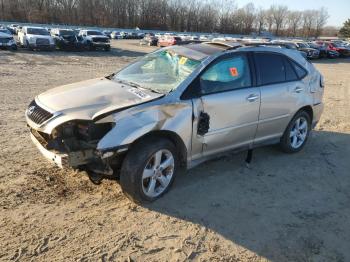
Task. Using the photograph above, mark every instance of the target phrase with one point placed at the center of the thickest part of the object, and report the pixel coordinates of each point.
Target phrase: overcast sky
(339, 10)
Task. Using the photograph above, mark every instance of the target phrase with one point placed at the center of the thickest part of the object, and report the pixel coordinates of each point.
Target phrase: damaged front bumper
(64, 160)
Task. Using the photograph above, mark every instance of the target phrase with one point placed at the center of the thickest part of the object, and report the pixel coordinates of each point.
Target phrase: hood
(92, 98)
(4, 35)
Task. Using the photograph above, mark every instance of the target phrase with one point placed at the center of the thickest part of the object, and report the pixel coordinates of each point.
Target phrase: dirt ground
(284, 208)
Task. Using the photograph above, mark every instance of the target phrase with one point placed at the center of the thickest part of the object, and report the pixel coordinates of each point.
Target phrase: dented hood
(92, 98)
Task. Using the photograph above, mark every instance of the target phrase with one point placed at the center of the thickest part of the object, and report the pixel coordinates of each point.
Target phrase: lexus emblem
(31, 110)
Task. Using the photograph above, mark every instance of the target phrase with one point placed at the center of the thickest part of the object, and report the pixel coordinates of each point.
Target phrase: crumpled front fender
(174, 117)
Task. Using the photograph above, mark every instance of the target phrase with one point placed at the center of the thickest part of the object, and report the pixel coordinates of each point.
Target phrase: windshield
(37, 31)
(67, 32)
(94, 33)
(161, 72)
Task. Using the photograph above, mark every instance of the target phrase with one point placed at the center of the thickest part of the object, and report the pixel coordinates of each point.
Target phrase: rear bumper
(317, 112)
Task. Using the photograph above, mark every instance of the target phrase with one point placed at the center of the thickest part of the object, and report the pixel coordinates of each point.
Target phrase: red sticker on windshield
(233, 71)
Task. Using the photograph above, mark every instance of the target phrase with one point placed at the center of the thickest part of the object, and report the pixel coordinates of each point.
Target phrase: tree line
(222, 16)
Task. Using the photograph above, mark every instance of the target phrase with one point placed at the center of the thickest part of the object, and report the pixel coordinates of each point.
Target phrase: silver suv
(177, 107)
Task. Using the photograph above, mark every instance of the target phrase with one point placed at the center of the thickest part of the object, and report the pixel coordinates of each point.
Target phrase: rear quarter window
(277, 68)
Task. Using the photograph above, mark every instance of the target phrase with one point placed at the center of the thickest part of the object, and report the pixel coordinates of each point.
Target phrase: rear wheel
(297, 133)
(149, 169)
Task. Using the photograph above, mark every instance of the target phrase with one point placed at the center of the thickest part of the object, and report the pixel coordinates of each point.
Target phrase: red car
(168, 40)
(342, 50)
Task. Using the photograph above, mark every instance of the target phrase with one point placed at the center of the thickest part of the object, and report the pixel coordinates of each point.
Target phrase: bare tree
(260, 20)
(279, 14)
(320, 20)
(179, 15)
(294, 22)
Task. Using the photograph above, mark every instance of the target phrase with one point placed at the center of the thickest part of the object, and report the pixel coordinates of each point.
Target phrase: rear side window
(291, 75)
(271, 68)
(275, 68)
(301, 72)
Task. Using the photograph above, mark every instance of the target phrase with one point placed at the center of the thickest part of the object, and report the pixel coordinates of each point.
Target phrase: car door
(228, 107)
(282, 93)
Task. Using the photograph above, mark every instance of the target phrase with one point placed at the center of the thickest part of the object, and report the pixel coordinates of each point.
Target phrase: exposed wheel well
(307, 109)
(173, 137)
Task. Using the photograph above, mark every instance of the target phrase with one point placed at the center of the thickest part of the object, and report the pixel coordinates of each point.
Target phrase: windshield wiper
(132, 84)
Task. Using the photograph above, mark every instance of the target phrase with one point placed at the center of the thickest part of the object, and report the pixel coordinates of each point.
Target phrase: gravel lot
(285, 208)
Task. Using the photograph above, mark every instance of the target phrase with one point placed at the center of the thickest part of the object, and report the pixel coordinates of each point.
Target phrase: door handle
(252, 97)
(298, 89)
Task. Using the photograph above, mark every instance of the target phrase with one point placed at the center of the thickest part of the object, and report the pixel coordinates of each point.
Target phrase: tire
(108, 48)
(138, 169)
(294, 138)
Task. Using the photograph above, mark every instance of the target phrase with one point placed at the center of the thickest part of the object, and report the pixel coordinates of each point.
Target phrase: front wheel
(296, 133)
(149, 169)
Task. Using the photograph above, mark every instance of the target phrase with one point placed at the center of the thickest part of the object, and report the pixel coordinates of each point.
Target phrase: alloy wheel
(298, 132)
(158, 172)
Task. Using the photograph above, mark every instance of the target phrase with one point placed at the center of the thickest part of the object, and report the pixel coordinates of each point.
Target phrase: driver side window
(229, 74)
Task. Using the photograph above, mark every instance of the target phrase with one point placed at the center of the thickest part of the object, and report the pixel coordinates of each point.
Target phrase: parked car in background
(340, 48)
(6, 40)
(168, 40)
(107, 33)
(311, 53)
(95, 39)
(12, 28)
(36, 38)
(178, 107)
(18, 29)
(116, 35)
(67, 39)
(288, 45)
(131, 35)
(5, 30)
(324, 52)
(150, 39)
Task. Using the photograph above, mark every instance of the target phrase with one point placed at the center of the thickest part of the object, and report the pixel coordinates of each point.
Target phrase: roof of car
(203, 50)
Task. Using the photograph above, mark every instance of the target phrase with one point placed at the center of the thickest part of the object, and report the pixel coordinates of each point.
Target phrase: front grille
(100, 39)
(5, 40)
(37, 114)
(42, 41)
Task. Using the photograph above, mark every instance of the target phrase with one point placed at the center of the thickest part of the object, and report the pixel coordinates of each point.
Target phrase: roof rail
(228, 45)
